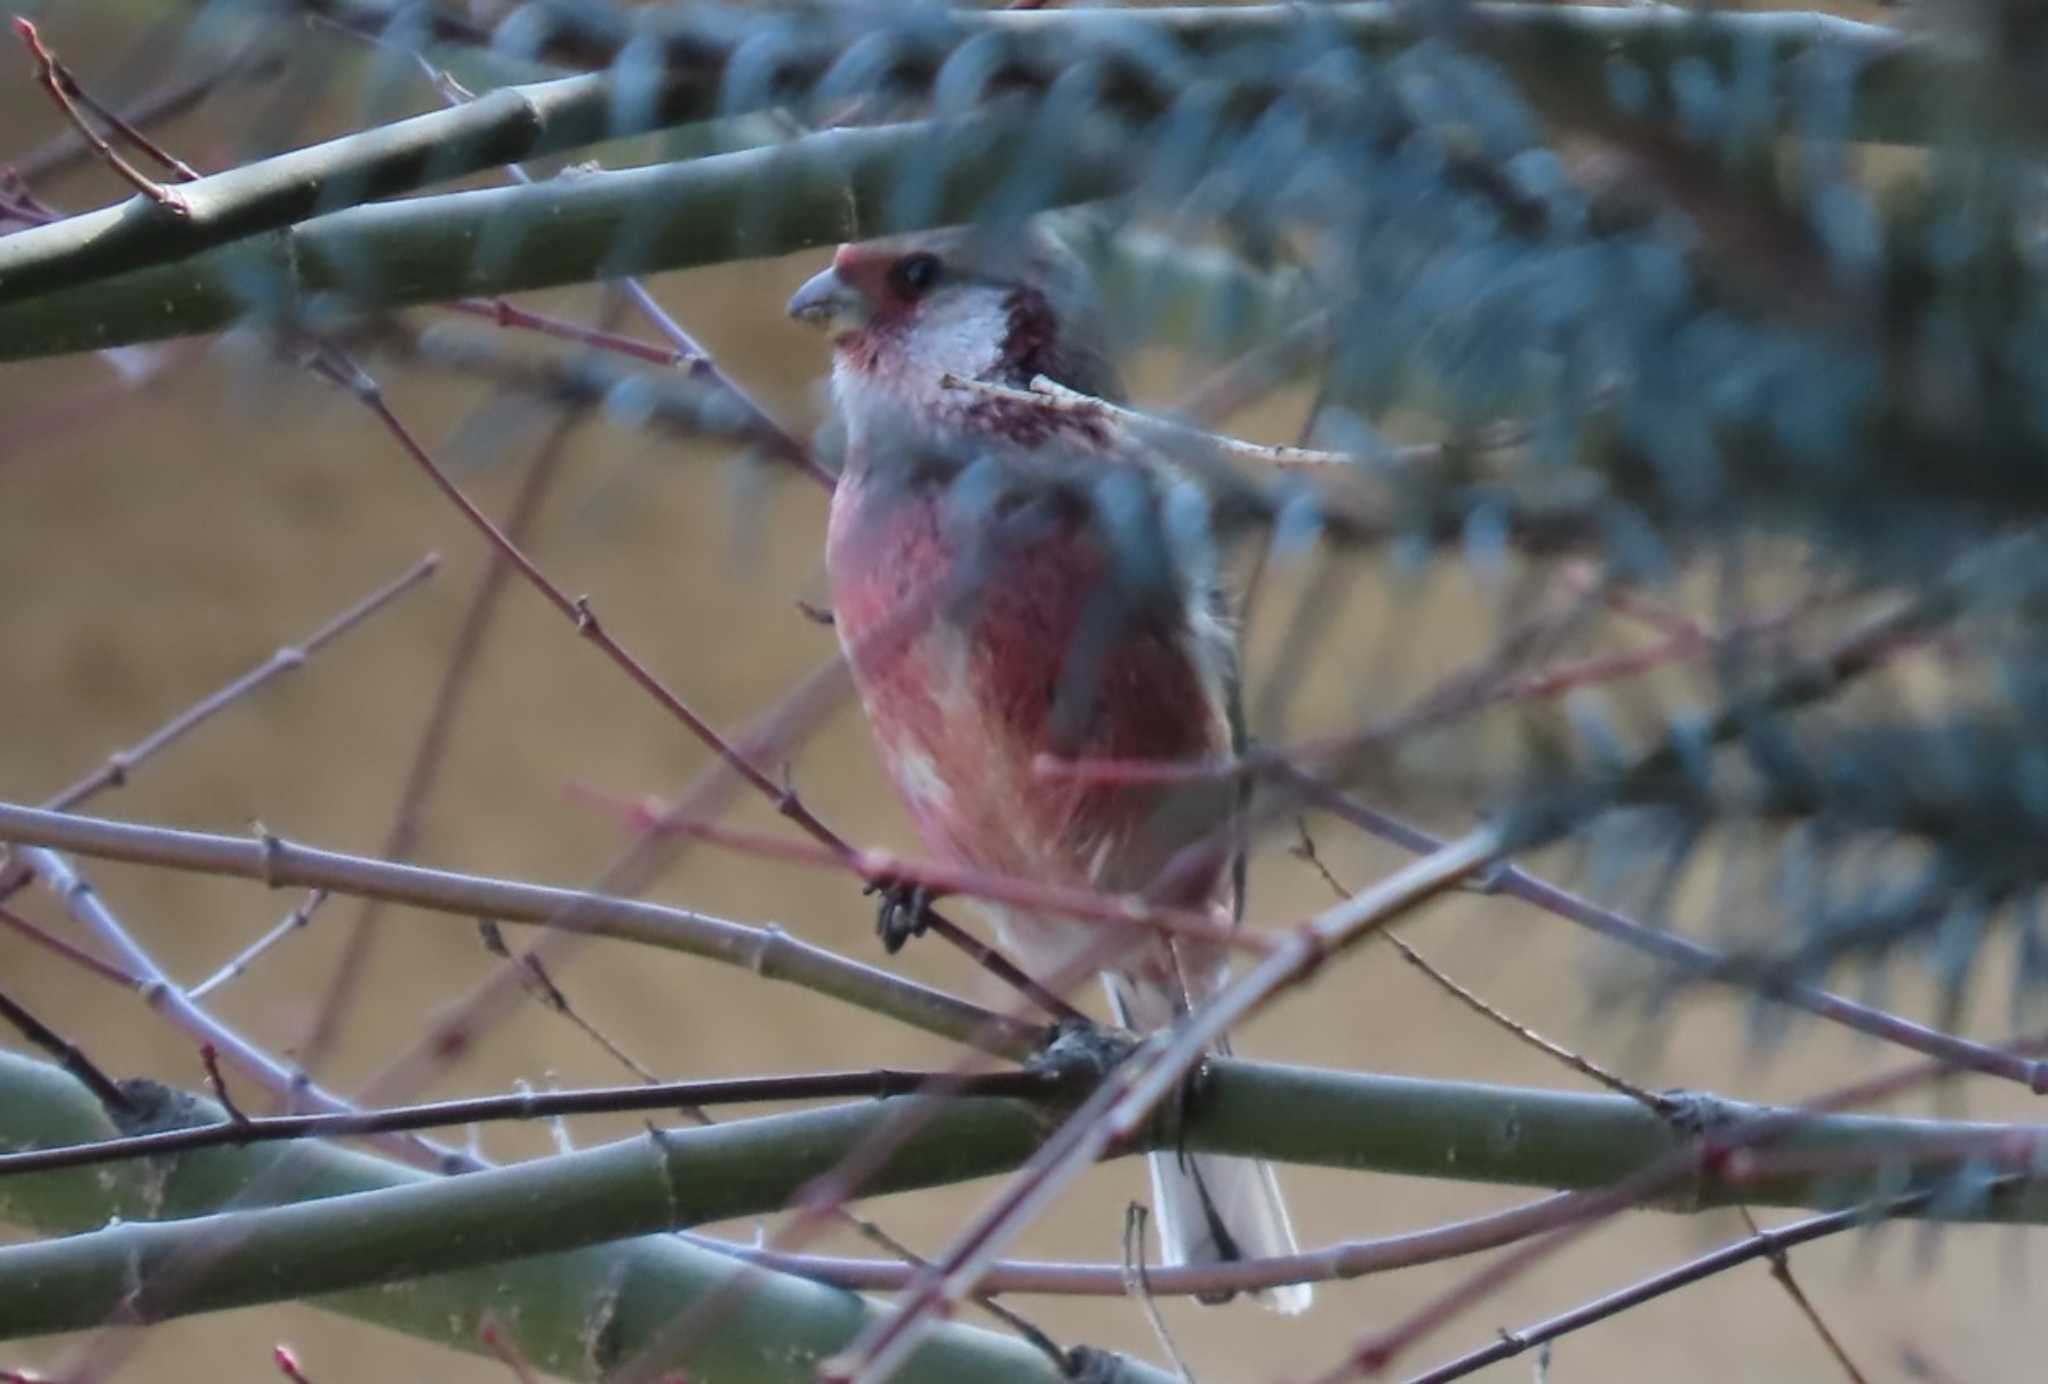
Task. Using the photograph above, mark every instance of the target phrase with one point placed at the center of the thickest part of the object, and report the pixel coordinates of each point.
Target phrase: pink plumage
(1012, 582)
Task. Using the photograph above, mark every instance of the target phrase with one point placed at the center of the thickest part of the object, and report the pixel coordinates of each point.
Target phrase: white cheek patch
(959, 333)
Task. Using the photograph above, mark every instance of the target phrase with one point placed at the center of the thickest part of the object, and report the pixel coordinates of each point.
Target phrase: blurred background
(169, 517)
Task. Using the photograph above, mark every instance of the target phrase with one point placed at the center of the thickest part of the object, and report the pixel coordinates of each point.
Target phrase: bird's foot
(903, 913)
(1083, 1052)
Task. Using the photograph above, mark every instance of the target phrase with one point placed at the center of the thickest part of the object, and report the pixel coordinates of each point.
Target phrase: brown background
(153, 545)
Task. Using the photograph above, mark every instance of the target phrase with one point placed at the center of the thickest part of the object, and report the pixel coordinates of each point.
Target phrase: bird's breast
(980, 645)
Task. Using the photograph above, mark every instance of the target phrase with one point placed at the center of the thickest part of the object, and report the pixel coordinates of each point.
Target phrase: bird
(1010, 582)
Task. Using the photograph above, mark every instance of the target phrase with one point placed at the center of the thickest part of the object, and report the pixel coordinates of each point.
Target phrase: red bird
(1012, 581)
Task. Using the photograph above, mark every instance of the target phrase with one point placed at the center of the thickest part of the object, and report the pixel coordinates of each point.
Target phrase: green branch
(576, 1314)
(840, 184)
(1558, 49)
(416, 1226)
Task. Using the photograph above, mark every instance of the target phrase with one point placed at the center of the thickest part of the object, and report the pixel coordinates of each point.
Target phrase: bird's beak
(828, 301)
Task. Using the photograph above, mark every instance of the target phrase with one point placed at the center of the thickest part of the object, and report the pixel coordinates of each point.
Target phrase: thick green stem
(840, 184)
(681, 78)
(415, 1226)
(574, 1314)
(669, 217)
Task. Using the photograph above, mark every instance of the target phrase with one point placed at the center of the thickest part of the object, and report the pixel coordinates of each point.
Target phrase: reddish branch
(77, 956)
(579, 612)
(64, 89)
(1119, 1107)
(1764, 1244)
(881, 867)
(1690, 958)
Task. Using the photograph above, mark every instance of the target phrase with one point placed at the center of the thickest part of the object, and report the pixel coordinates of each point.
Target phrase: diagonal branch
(1551, 45)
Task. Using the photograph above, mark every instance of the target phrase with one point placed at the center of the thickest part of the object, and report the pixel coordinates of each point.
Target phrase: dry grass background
(162, 543)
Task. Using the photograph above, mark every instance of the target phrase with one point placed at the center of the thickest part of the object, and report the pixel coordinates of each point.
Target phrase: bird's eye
(913, 274)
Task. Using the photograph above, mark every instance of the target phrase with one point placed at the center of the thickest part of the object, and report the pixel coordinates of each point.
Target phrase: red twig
(1763, 1244)
(878, 867)
(1781, 1270)
(579, 612)
(164, 103)
(65, 91)
(1118, 1108)
(430, 752)
(288, 1365)
(1716, 1150)
(762, 426)
(506, 314)
(502, 1346)
(1690, 958)
(77, 956)
(209, 1058)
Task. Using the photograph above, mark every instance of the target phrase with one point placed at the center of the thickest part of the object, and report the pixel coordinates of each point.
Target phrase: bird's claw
(1083, 1052)
(903, 913)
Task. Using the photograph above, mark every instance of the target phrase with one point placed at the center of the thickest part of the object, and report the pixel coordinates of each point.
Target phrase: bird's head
(1000, 305)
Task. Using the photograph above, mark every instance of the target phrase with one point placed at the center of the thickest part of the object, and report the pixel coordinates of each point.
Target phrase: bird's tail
(1211, 1209)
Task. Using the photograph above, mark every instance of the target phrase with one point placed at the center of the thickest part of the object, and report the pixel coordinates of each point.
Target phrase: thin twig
(578, 610)
(767, 952)
(1130, 911)
(65, 1053)
(1120, 1106)
(550, 994)
(163, 995)
(1688, 957)
(430, 751)
(769, 434)
(209, 1058)
(64, 90)
(1305, 851)
(117, 768)
(507, 314)
(1762, 1244)
(238, 965)
(166, 102)
(1718, 1148)
(1138, 1286)
(1781, 1270)
(76, 955)
(1050, 396)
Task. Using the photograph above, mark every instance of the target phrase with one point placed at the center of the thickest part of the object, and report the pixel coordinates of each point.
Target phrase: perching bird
(1012, 582)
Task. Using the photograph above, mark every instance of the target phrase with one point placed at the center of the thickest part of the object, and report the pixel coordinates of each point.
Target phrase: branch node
(272, 851)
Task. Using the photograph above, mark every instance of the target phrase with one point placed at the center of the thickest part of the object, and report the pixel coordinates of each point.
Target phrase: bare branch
(63, 88)
(768, 952)
(288, 658)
